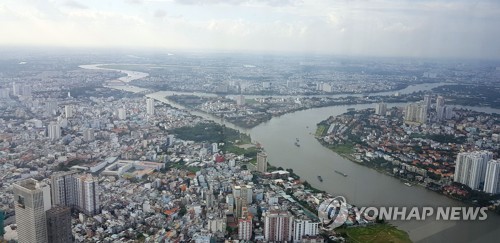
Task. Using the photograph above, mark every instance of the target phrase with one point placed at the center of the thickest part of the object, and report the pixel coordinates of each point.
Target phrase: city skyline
(369, 28)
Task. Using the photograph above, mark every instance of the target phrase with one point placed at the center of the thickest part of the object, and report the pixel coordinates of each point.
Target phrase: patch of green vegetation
(249, 152)
(210, 132)
(343, 148)
(383, 233)
(320, 130)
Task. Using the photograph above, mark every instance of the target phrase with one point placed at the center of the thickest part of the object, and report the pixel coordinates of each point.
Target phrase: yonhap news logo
(334, 212)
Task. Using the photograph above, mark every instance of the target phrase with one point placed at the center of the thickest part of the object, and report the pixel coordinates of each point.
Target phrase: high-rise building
(150, 106)
(88, 194)
(77, 191)
(63, 188)
(245, 228)
(59, 224)
(88, 135)
(26, 90)
(122, 114)
(241, 206)
(303, 228)
(278, 225)
(215, 148)
(427, 101)
(262, 162)
(416, 112)
(240, 100)
(68, 111)
(381, 109)
(439, 102)
(492, 179)
(54, 131)
(470, 168)
(32, 200)
(441, 113)
(16, 89)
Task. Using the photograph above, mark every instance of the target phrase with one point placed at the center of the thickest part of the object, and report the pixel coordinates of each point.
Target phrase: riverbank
(348, 137)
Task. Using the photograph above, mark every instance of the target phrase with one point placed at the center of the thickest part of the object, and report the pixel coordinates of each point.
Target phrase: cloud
(274, 3)
(74, 4)
(160, 13)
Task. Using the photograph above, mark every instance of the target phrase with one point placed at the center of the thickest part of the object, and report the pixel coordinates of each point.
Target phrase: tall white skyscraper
(75, 190)
(470, 168)
(150, 106)
(278, 225)
(245, 228)
(54, 131)
(88, 194)
(88, 135)
(381, 109)
(439, 102)
(68, 111)
(63, 188)
(262, 162)
(416, 112)
(32, 200)
(427, 101)
(15, 89)
(492, 179)
(304, 227)
(122, 114)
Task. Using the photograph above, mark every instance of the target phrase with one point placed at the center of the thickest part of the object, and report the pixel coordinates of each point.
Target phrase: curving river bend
(363, 186)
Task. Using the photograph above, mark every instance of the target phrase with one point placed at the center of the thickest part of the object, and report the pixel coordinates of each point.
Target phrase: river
(363, 186)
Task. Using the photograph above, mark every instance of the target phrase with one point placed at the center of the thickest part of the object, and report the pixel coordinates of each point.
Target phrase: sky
(406, 28)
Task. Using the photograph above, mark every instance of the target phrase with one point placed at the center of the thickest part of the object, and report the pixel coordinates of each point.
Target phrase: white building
(88, 194)
(88, 135)
(245, 228)
(122, 114)
(492, 179)
(439, 102)
(54, 131)
(303, 228)
(381, 109)
(240, 100)
(32, 200)
(150, 106)
(470, 168)
(68, 111)
(262, 162)
(427, 101)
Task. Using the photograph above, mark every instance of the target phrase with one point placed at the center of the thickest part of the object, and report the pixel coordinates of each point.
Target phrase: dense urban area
(91, 154)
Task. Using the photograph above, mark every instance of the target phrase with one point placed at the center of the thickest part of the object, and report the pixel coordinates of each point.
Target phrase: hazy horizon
(373, 28)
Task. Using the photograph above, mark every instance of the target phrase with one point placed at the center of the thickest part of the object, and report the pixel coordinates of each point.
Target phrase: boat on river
(341, 173)
(320, 178)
